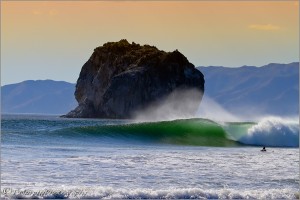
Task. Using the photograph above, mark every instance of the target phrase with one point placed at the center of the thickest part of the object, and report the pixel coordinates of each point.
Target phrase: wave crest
(273, 131)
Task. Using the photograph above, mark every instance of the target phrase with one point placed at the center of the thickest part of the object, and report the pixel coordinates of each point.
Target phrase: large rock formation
(121, 79)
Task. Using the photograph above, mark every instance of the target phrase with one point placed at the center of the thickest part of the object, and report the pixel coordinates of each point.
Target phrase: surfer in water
(263, 149)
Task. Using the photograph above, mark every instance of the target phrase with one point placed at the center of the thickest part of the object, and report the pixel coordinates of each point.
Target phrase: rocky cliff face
(121, 79)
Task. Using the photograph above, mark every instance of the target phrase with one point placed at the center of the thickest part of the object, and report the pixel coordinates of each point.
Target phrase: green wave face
(236, 130)
(198, 132)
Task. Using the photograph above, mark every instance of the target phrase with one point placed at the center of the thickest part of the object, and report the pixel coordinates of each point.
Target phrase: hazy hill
(42, 96)
(270, 89)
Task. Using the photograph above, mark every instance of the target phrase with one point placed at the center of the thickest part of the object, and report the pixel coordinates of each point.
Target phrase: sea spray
(273, 131)
(180, 104)
(210, 109)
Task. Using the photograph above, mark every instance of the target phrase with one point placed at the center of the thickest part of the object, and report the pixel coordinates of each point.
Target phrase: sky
(52, 40)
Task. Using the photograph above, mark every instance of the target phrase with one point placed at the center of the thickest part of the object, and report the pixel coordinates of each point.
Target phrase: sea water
(52, 157)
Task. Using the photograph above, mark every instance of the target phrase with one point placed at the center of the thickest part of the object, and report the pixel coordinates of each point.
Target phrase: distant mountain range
(272, 89)
(40, 97)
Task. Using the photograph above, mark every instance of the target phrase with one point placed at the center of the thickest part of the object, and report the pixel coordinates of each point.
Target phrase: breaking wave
(200, 132)
(272, 131)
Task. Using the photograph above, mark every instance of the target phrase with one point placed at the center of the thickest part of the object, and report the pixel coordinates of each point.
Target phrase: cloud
(264, 27)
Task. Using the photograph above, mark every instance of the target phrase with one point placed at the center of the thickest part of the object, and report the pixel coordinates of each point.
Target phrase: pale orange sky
(54, 39)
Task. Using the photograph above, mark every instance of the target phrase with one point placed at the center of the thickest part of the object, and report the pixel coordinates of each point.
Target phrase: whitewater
(52, 157)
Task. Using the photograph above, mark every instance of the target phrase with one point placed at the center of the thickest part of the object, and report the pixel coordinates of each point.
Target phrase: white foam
(273, 131)
(176, 193)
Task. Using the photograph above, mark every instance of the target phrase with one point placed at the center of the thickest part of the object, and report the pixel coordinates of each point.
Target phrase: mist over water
(210, 109)
(184, 104)
(180, 104)
(191, 103)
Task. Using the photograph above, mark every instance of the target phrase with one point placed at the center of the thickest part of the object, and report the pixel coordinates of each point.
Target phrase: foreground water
(50, 157)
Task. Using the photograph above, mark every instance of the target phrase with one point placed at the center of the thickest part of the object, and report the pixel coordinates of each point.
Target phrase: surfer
(263, 149)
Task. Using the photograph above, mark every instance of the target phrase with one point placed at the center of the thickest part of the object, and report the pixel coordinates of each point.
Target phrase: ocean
(53, 157)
